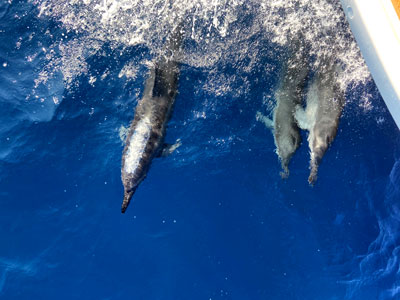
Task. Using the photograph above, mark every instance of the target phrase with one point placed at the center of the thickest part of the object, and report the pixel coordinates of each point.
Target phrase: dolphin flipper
(168, 149)
(301, 117)
(269, 123)
(123, 133)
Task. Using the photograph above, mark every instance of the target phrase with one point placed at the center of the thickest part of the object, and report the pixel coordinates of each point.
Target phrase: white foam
(130, 71)
(137, 144)
(218, 33)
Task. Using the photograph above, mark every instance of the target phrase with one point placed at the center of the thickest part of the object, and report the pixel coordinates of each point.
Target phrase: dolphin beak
(127, 199)
(285, 169)
(316, 157)
(313, 175)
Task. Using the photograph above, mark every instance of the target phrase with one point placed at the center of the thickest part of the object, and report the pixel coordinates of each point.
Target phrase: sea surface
(214, 220)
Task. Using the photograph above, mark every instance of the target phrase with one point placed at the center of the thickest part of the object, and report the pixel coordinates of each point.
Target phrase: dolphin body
(324, 105)
(288, 96)
(145, 137)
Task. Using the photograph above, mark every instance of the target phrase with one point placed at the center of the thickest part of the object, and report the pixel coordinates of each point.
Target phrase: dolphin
(324, 105)
(145, 136)
(288, 96)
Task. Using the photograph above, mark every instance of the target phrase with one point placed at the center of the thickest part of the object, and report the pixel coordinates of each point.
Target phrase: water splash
(231, 32)
(322, 24)
(233, 44)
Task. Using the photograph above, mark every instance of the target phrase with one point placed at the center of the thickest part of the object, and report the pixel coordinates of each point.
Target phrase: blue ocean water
(212, 221)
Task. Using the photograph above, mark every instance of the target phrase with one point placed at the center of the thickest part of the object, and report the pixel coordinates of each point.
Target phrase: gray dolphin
(288, 96)
(145, 137)
(321, 116)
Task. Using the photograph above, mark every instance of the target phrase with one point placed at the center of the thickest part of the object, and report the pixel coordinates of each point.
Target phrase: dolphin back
(329, 103)
(288, 96)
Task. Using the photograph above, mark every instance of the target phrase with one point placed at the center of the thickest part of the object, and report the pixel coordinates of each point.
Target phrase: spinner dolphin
(145, 137)
(288, 96)
(321, 116)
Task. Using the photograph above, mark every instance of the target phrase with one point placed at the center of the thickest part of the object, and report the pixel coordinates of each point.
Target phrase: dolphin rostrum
(324, 105)
(145, 137)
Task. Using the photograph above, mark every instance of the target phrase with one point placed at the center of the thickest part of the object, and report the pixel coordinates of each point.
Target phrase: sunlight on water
(224, 32)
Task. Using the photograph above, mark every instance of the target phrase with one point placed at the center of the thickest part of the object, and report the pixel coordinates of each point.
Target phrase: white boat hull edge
(376, 28)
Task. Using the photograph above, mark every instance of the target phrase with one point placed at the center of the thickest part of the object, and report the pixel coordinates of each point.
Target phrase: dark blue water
(213, 220)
